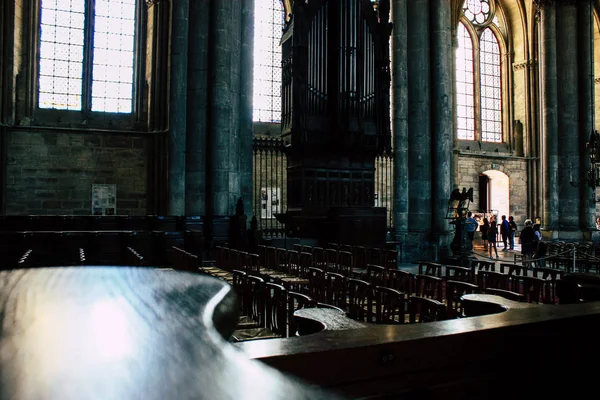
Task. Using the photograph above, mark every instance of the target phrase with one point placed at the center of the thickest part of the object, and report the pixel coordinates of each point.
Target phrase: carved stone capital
(150, 3)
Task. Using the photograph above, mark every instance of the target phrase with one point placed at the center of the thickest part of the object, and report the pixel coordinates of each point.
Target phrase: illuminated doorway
(494, 193)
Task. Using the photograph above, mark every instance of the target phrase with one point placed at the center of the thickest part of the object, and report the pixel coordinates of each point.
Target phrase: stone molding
(524, 64)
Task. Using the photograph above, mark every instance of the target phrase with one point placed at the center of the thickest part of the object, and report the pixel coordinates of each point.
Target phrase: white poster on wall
(104, 199)
(270, 202)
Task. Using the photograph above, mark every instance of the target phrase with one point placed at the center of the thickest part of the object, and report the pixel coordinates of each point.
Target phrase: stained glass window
(478, 74)
(465, 97)
(477, 11)
(491, 90)
(62, 73)
(268, 27)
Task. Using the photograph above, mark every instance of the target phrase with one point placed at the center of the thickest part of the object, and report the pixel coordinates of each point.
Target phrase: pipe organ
(335, 116)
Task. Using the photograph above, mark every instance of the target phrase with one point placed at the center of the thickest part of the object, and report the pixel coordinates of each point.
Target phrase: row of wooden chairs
(267, 308)
(361, 255)
(513, 281)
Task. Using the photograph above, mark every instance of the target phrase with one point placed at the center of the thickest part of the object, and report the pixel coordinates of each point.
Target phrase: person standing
(484, 229)
(504, 229)
(471, 226)
(527, 236)
(491, 235)
(512, 230)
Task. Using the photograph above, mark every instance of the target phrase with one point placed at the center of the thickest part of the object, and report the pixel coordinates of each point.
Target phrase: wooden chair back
(430, 268)
(389, 306)
(429, 286)
(376, 275)
(276, 308)
(454, 292)
(422, 309)
(403, 281)
(316, 283)
(336, 289)
(297, 301)
(491, 279)
(360, 303)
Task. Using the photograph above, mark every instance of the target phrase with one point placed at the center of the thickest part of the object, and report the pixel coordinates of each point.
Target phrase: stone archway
(498, 192)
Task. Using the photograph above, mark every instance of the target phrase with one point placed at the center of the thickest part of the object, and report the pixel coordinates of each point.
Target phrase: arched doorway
(494, 192)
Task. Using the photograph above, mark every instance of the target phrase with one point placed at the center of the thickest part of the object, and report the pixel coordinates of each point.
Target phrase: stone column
(549, 81)
(585, 42)
(178, 107)
(419, 113)
(197, 101)
(441, 113)
(400, 115)
(245, 111)
(568, 115)
(223, 135)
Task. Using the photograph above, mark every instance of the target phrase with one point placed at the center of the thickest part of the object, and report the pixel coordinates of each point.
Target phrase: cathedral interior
(306, 126)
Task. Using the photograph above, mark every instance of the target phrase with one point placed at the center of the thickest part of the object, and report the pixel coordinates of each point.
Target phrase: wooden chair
(373, 256)
(359, 255)
(403, 281)
(422, 309)
(331, 260)
(319, 260)
(275, 300)
(344, 263)
(389, 306)
(528, 286)
(491, 279)
(376, 275)
(297, 301)
(456, 273)
(549, 276)
(360, 304)
(316, 283)
(250, 288)
(336, 290)
(429, 286)
(513, 269)
(454, 292)
(389, 258)
(430, 268)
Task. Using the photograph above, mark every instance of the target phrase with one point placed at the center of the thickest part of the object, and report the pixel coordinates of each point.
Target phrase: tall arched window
(82, 74)
(269, 19)
(465, 107)
(478, 74)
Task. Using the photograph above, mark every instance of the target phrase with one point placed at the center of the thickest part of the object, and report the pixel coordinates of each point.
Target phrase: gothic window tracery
(86, 55)
(269, 19)
(479, 74)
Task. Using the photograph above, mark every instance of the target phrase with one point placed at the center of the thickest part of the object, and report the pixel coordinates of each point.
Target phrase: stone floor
(479, 252)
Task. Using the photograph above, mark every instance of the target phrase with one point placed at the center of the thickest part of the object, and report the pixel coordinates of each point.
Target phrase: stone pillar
(419, 122)
(178, 107)
(223, 134)
(585, 42)
(549, 81)
(568, 115)
(197, 97)
(400, 115)
(441, 113)
(245, 111)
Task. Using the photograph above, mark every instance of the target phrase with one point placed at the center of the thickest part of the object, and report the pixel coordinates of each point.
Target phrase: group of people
(529, 237)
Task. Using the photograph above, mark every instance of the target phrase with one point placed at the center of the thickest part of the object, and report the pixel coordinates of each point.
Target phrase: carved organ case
(335, 109)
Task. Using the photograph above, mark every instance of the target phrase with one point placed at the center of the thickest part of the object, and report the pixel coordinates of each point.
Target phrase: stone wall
(470, 167)
(52, 172)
